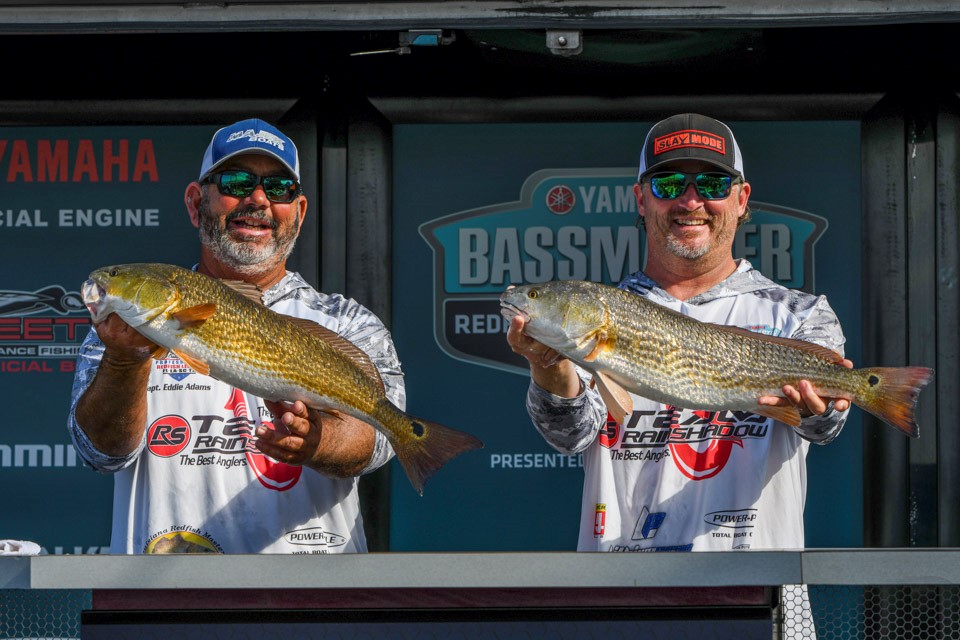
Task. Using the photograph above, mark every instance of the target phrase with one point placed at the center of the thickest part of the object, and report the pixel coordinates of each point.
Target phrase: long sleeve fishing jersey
(197, 483)
(679, 479)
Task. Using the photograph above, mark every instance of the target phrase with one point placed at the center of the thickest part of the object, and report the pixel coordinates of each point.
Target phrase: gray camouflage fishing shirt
(355, 322)
(570, 425)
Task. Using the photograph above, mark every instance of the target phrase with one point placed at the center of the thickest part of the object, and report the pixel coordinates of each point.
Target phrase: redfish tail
(431, 447)
(894, 393)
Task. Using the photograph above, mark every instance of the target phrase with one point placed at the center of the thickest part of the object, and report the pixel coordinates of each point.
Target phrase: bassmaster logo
(572, 224)
(39, 326)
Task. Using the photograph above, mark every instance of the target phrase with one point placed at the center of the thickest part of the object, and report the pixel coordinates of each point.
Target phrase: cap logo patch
(257, 136)
(689, 138)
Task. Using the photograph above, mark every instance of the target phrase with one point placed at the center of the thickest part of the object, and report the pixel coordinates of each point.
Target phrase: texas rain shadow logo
(573, 224)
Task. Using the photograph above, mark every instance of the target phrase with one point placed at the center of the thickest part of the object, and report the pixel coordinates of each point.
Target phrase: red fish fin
(788, 415)
(246, 289)
(893, 396)
(159, 353)
(815, 349)
(193, 316)
(602, 344)
(197, 365)
(428, 448)
(341, 344)
(618, 400)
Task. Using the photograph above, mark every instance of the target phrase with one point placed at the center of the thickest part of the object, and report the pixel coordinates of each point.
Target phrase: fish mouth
(509, 312)
(94, 297)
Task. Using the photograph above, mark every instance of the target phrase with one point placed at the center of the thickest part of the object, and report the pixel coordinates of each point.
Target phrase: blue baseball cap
(250, 136)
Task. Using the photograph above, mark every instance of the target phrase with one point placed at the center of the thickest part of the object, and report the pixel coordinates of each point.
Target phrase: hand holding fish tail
(311, 438)
(805, 398)
(550, 370)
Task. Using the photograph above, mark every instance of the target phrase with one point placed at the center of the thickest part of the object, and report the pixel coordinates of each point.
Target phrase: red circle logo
(561, 199)
(610, 433)
(168, 436)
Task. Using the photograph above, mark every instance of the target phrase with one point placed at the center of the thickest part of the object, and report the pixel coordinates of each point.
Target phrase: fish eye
(533, 293)
(114, 272)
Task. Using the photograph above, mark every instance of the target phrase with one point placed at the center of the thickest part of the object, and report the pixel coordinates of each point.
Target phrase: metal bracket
(564, 43)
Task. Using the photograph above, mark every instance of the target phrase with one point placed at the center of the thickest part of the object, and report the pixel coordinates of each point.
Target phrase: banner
(73, 199)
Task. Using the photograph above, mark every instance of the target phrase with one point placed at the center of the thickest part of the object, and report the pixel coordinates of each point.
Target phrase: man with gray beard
(200, 466)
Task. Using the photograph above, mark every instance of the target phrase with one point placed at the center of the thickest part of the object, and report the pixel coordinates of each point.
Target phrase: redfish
(630, 343)
(223, 330)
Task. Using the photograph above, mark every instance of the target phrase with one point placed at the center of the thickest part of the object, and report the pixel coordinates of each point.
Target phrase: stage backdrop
(476, 207)
(73, 199)
(479, 207)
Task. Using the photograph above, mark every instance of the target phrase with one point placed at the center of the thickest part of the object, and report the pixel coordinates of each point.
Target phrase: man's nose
(258, 195)
(690, 198)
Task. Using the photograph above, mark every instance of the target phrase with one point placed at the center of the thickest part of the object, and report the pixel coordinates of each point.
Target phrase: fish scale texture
(659, 353)
(251, 343)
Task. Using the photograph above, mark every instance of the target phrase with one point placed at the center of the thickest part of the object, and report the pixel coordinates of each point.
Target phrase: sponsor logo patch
(182, 539)
(733, 519)
(168, 436)
(689, 138)
(648, 524)
(600, 520)
(315, 537)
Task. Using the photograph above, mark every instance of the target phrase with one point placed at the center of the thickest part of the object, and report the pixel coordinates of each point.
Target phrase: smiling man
(198, 465)
(678, 478)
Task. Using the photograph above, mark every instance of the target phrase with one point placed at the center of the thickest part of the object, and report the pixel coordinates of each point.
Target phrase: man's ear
(302, 205)
(638, 194)
(744, 197)
(192, 198)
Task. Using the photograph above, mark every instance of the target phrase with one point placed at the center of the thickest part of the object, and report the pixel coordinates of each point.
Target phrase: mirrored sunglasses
(240, 184)
(711, 186)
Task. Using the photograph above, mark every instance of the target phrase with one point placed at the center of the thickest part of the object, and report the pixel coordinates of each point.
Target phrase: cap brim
(719, 165)
(251, 151)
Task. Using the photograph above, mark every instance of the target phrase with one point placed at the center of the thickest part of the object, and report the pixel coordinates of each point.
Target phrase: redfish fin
(193, 316)
(817, 350)
(893, 396)
(788, 415)
(618, 400)
(159, 353)
(357, 355)
(197, 365)
(430, 447)
(248, 290)
(602, 343)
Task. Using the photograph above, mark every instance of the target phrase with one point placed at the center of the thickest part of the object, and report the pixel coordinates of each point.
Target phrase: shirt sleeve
(365, 330)
(88, 362)
(568, 425)
(822, 327)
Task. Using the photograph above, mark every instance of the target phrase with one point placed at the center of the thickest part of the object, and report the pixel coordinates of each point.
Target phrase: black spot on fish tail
(893, 395)
(433, 446)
